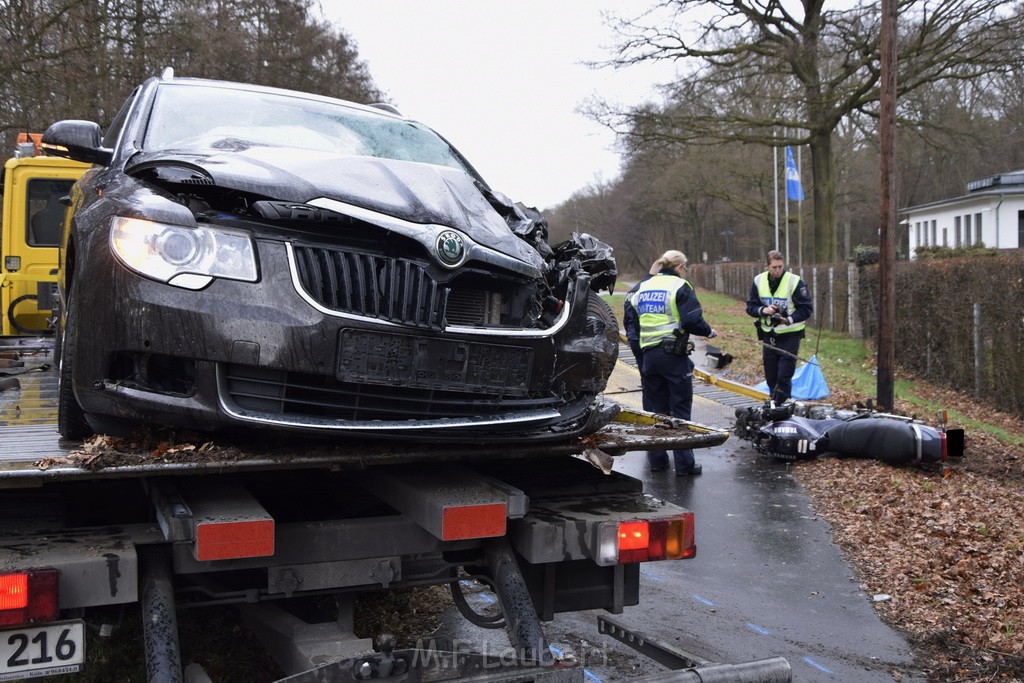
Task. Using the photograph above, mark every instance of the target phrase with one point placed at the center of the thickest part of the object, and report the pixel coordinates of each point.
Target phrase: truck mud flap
(688, 667)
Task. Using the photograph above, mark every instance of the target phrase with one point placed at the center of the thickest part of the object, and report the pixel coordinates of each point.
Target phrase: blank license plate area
(402, 360)
(47, 650)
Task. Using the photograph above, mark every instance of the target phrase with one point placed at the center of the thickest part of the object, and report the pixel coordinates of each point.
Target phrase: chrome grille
(397, 290)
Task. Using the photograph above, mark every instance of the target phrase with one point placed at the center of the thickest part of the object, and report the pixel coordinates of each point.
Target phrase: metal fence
(835, 289)
(959, 321)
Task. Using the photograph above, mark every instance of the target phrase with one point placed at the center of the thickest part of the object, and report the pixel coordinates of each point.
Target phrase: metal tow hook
(383, 665)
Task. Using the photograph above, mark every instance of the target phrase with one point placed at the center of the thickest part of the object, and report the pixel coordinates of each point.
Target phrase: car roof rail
(386, 107)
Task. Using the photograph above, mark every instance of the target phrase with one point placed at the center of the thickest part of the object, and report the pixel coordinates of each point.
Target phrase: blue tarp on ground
(808, 382)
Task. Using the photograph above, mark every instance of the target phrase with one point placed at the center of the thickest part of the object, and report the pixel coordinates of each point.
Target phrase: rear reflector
(473, 521)
(28, 597)
(234, 540)
(953, 443)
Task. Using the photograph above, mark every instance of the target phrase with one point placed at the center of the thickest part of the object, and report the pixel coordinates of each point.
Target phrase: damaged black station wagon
(241, 256)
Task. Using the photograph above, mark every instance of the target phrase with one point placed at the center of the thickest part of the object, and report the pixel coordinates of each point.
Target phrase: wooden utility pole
(887, 210)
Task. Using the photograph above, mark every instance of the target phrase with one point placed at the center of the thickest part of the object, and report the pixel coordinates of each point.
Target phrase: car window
(203, 118)
(46, 211)
(110, 139)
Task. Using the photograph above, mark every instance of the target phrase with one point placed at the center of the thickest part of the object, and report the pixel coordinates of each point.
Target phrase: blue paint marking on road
(585, 671)
(758, 629)
(650, 574)
(703, 600)
(819, 667)
(487, 597)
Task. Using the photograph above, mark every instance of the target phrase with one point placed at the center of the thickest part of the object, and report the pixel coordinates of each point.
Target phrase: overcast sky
(503, 82)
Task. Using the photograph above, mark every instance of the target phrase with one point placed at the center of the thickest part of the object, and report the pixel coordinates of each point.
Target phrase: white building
(991, 213)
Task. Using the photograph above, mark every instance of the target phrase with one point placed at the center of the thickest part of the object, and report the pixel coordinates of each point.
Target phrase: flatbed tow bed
(32, 450)
(166, 519)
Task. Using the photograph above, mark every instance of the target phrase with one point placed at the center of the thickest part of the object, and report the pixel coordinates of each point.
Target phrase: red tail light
(954, 442)
(634, 536)
(28, 597)
(657, 539)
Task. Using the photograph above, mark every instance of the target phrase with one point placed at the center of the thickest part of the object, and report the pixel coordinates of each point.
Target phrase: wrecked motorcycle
(802, 431)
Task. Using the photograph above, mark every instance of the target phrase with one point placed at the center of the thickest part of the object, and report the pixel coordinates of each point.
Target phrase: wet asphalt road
(767, 581)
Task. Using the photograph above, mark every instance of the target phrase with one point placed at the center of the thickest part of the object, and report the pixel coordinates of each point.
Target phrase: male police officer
(667, 312)
(781, 303)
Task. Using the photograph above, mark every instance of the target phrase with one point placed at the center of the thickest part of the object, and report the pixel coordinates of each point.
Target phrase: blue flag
(794, 192)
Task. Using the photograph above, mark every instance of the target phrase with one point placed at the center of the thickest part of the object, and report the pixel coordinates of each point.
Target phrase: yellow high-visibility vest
(783, 298)
(655, 304)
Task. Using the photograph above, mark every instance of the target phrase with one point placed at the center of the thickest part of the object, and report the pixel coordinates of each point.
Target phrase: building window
(945, 236)
(977, 229)
(935, 239)
(1020, 229)
(967, 230)
(956, 231)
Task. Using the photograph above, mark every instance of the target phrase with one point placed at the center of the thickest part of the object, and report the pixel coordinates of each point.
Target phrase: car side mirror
(78, 140)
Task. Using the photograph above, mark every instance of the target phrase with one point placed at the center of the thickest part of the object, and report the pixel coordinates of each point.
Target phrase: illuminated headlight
(181, 256)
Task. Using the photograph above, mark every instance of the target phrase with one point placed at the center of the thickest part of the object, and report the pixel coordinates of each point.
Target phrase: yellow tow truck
(33, 187)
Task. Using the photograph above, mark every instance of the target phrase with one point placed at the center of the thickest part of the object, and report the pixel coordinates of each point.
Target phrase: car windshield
(197, 117)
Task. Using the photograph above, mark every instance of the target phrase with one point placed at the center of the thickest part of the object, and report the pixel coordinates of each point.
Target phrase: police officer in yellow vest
(666, 310)
(781, 303)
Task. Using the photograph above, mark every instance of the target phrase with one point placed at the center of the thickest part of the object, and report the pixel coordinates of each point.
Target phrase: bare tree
(755, 68)
(80, 58)
(269, 42)
(37, 37)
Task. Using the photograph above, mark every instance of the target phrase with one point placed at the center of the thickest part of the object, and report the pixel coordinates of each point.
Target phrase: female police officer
(781, 303)
(666, 309)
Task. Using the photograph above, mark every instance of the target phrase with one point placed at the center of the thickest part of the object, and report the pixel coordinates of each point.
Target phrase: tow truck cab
(33, 187)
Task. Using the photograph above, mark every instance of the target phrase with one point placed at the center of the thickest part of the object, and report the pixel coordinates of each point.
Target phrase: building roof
(999, 180)
(1010, 182)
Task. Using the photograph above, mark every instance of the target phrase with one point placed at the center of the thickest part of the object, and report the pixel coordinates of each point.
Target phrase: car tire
(71, 421)
(598, 308)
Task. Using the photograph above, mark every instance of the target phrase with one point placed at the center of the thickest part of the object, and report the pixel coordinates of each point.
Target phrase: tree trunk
(824, 193)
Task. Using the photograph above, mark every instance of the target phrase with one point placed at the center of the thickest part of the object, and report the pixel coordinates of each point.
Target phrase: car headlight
(183, 256)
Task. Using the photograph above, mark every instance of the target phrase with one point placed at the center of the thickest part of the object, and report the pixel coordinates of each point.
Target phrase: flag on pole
(794, 192)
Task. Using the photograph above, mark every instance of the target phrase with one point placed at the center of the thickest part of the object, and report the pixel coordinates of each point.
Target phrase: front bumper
(262, 354)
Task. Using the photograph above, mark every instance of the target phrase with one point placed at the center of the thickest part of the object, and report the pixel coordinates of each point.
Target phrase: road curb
(711, 386)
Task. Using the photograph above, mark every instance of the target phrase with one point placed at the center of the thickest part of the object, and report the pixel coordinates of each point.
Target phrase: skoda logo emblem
(451, 248)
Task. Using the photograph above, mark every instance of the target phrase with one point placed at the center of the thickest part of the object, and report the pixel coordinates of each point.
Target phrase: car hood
(411, 191)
